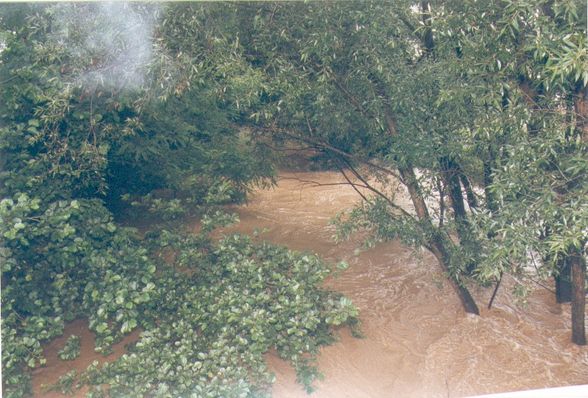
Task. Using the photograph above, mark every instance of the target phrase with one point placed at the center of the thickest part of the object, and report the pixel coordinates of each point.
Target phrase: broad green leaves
(71, 349)
(65, 260)
(213, 325)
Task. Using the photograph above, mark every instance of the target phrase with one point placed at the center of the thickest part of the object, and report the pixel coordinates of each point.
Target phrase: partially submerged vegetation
(72, 154)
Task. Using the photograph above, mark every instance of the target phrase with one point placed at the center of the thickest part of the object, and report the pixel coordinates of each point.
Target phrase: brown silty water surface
(418, 341)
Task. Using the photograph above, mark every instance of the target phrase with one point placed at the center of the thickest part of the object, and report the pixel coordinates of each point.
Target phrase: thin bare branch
(352, 184)
(319, 184)
(376, 191)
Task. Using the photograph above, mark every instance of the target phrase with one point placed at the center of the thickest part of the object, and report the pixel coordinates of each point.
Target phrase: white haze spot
(109, 44)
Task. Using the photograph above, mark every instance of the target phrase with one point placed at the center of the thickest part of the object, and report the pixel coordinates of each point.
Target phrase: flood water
(418, 341)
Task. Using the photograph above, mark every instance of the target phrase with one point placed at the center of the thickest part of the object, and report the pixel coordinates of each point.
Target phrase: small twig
(92, 126)
(308, 125)
(534, 261)
(537, 270)
(273, 13)
(543, 286)
(351, 98)
(534, 281)
(8, 80)
(495, 290)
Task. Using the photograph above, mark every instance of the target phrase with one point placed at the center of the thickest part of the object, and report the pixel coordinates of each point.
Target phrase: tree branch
(376, 191)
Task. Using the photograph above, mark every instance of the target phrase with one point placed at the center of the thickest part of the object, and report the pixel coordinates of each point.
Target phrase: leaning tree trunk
(436, 243)
(439, 250)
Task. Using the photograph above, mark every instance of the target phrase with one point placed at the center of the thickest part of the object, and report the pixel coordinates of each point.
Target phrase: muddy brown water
(418, 341)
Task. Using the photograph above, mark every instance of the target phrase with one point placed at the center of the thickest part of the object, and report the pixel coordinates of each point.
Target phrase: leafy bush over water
(59, 262)
(207, 332)
(68, 152)
(206, 322)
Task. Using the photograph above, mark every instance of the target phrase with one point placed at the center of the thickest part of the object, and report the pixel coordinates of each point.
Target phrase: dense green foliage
(520, 71)
(531, 68)
(77, 138)
(63, 261)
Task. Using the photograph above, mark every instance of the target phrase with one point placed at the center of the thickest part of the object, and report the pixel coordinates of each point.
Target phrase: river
(417, 341)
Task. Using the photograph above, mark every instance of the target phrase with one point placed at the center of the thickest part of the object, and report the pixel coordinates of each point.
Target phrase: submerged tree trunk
(439, 250)
(563, 281)
(577, 259)
(436, 243)
(578, 268)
